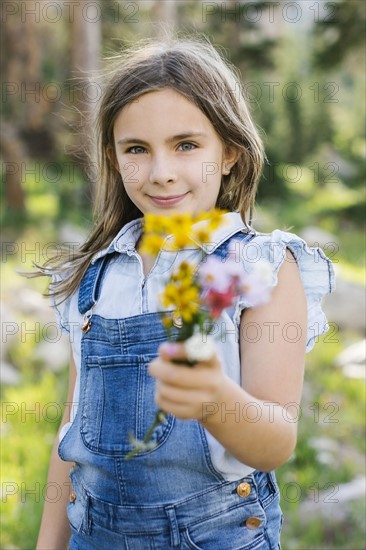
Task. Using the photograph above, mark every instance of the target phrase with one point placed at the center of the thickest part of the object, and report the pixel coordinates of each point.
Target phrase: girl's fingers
(175, 375)
(203, 380)
(172, 396)
(172, 350)
(176, 350)
(181, 403)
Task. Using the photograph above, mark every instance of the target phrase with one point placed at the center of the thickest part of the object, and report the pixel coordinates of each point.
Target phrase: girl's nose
(162, 172)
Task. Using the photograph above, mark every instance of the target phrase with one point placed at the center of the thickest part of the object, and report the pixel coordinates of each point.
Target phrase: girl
(175, 135)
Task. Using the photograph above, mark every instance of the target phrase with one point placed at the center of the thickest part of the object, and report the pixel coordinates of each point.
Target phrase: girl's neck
(147, 260)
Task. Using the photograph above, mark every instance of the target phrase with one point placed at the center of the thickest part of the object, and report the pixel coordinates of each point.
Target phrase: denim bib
(168, 497)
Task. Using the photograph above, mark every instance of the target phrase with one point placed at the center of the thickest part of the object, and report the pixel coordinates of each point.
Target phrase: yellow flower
(181, 227)
(181, 221)
(151, 244)
(185, 270)
(189, 296)
(180, 240)
(182, 293)
(216, 219)
(156, 223)
(167, 322)
(170, 295)
(202, 235)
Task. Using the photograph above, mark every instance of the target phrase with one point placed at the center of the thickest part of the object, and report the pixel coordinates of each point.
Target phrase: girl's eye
(136, 150)
(187, 146)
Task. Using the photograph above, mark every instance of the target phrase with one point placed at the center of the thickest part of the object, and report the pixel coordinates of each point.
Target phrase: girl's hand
(183, 390)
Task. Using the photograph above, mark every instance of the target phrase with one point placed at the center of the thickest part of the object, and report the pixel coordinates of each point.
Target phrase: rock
(314, 236)
(353, 360)
(332, 452)
(354, 371)
(8, 374)
(31, 302)
(324, 444)
(346, 306)
(332, 502)
(54, 352)
(72, 235)
(355, 353)
(10, 329)
(345, 169)
(327, 450)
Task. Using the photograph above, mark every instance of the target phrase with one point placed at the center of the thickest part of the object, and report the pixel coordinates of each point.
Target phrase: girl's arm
(272, 365)
(54, 533)
(257, 422)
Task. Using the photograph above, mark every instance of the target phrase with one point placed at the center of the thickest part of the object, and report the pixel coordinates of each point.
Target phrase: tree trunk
(14, 158)
(165, 13)
(86, 47)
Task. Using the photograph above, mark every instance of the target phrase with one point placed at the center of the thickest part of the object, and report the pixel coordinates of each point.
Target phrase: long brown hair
(195, 69)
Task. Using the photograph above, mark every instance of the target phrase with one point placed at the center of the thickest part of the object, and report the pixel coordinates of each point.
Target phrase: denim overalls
(167, 498)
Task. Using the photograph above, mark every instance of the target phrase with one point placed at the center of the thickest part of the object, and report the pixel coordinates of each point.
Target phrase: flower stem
(145, 444)
(159, 418)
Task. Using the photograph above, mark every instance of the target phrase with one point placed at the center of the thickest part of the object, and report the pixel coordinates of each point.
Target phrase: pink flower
(217, 301)
(213, 274)
(258, 283)
(223, 281)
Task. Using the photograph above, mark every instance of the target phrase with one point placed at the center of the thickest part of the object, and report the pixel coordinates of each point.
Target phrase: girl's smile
(168, 201)
(169, 155)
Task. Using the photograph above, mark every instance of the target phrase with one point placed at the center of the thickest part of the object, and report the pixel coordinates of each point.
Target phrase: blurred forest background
(302, 66)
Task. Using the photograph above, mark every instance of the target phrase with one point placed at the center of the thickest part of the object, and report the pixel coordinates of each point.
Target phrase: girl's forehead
(162, 97)
(163, 107)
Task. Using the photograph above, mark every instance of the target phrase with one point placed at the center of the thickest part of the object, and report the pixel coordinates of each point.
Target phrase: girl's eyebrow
(178, 137)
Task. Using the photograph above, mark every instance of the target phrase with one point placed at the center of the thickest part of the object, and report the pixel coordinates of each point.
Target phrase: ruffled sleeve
(316, 272)
(61, 310)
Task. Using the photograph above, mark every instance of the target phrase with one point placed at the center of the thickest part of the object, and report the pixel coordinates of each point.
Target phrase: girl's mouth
(171, 200)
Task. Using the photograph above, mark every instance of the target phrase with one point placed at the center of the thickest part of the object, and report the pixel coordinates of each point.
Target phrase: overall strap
(90, 285)
(242, 235)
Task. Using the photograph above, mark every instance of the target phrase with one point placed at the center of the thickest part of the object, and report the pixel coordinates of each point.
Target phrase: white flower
(258, 284)
(263, 270)
(198, 349)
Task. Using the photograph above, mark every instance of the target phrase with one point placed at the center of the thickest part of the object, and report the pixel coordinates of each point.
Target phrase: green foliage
(332, 410)
(30, 418)
(326, 534)
(340, 33)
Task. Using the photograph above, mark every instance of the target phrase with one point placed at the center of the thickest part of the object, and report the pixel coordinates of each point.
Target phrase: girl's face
(169, 155)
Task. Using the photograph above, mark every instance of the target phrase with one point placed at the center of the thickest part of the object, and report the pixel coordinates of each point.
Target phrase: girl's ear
(112, 157)
(230, 157)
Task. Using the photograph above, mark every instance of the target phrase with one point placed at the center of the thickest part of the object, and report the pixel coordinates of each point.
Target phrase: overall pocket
(238, 528)
(118, 401)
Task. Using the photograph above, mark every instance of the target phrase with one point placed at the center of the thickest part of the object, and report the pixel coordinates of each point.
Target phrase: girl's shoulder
(315, 268)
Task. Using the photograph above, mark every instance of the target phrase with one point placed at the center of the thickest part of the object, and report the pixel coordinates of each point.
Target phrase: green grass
(333, 407)
(30, 418)
(320, 534)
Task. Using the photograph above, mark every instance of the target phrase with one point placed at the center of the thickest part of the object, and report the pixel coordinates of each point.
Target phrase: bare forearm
(258, 433)
(55, 532)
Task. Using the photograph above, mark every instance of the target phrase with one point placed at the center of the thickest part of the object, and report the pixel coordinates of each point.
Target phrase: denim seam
(219, 513)
(208, 458)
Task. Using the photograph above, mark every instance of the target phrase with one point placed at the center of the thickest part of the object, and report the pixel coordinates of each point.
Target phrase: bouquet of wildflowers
(197, 294)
